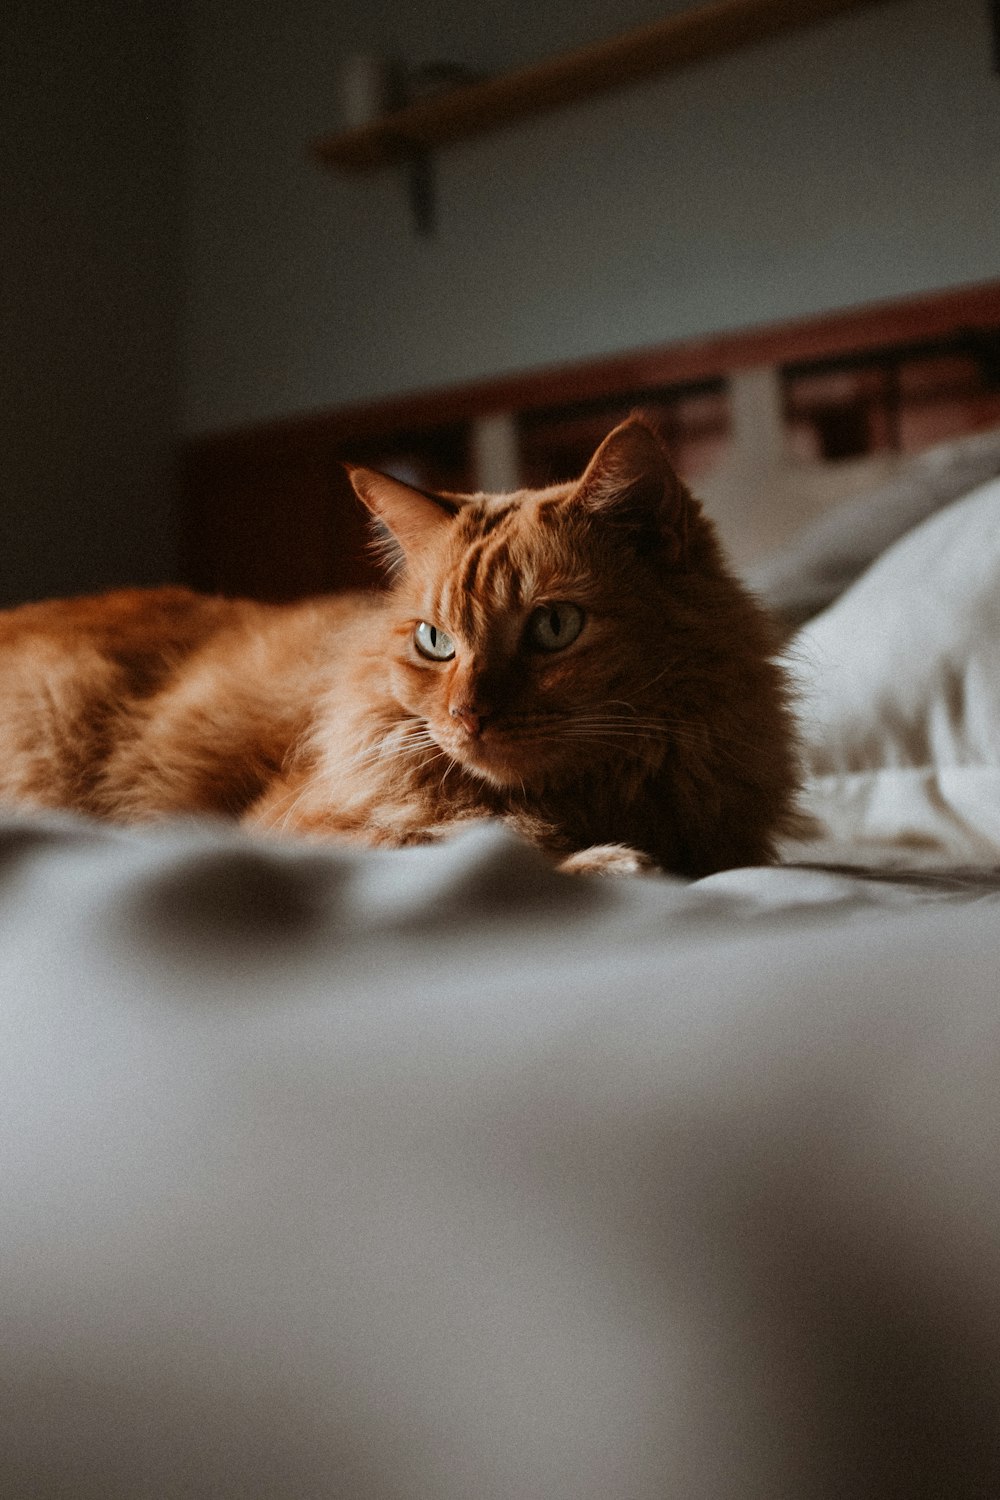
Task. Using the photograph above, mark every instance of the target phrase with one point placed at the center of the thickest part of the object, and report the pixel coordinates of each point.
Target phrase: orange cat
(576, 660)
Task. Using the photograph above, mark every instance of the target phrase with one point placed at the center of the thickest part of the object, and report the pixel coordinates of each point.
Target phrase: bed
(436, 1173)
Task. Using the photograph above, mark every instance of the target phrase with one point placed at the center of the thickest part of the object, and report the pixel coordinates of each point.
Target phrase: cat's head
(529, 630)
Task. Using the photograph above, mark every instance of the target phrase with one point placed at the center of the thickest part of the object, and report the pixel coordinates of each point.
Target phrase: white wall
(91, 138)
(854, 161)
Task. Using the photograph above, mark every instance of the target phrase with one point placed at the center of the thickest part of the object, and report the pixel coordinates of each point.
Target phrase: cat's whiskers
(683, 730)
(327, 778)
(667, 723)
(448, 768)
(677, 730)
(613, 731)
(422, 740)
(292, 801)
(659, 676)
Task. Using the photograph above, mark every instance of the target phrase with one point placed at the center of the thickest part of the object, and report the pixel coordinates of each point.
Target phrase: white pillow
(904, 669)
(825, 558)
(899, 685)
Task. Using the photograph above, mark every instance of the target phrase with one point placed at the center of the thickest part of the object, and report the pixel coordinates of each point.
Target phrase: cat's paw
(608, 859)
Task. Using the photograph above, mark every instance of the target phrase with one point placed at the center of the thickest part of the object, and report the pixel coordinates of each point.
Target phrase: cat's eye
(554, 626)
(432, 642)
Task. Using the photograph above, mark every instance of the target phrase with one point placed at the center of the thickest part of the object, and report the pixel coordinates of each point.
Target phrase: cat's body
(577, 661)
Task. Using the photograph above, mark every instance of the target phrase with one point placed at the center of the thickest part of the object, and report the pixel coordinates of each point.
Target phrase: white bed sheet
(435, 1175)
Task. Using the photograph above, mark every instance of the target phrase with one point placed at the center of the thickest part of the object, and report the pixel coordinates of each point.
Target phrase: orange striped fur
(658, 734)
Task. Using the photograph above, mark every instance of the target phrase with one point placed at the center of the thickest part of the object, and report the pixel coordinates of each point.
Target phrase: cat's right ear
(413, 518)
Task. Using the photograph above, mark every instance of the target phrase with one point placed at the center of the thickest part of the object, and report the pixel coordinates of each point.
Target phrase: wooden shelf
(675, 42)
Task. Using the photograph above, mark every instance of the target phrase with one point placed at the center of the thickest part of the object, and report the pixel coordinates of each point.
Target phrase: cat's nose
(472, 718)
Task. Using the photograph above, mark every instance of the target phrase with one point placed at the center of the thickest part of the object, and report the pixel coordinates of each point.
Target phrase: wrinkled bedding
(898, 692)
(434, 1174)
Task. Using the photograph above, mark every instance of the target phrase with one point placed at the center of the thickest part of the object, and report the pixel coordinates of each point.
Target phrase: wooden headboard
(267, 511)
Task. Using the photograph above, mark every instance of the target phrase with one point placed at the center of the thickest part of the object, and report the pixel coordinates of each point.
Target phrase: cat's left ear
(631, 482)
(414, 518)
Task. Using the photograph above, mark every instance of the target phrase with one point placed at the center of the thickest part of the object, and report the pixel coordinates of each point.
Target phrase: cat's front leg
(594, 859)
(608, 859)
